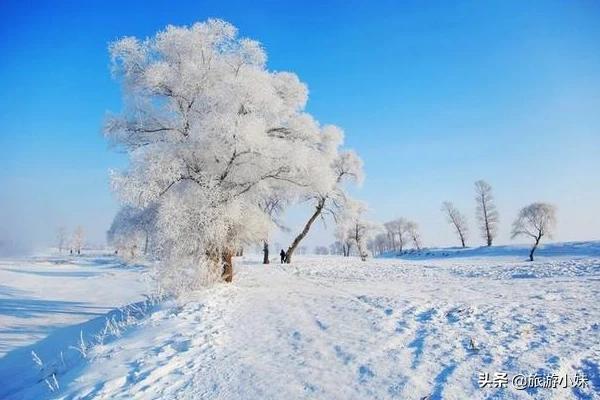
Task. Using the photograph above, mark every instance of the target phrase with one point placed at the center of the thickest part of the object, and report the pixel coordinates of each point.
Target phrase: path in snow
(342, 329)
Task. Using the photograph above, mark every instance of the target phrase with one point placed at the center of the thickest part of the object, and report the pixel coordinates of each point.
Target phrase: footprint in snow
(321, 325)
(364, 374)
(342, 355)
(426, 316)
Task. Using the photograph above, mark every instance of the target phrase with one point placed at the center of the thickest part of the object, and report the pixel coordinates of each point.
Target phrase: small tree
(321, 250)
(397, 231)
(345, 241)
(132, 229)
(457, 220)
(61, 238)
(326, 189)
(272, 205)
(412, 229)
(379, 244)
(536, 221)
(78, 239)
(487, 215)
(358, 230)
(335, 248)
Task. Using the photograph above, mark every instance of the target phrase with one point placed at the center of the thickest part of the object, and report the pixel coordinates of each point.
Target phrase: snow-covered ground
(334, 328)
(47, 301)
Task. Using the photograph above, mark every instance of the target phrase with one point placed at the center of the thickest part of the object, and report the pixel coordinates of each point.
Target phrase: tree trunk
(265, 253)
(146, 244)
(296, 242)
(462, 240)
(227, 266)
(537, 241)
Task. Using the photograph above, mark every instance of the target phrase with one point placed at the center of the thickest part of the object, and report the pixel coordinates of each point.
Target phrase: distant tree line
(536, 221)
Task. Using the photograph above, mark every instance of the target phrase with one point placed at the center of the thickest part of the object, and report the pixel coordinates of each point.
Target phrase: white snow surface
(41, 294)
(339, 328)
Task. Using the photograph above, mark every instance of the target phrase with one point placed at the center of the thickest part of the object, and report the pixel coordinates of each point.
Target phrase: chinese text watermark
(531, 381)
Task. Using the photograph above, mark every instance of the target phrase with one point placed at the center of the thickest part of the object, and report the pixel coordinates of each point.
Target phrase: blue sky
(433, 95)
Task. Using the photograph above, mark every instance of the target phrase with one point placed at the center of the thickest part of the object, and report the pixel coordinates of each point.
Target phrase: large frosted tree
(209, 130)
(486, 212)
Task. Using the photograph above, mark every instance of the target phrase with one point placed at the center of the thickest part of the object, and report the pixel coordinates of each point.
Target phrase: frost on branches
(328, 195)
(354, 229)
(211, 134)
(535, 221)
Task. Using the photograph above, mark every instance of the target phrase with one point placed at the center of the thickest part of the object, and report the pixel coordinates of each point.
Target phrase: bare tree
(345, 240)
(362, 232)
(272, 206)
(61, 238)
(457, 220)
(390, 230)
(380, 244)
(536, 221)
(399, 229)
(336, 248)
(412, 229)
(487, 215)
(78, 239)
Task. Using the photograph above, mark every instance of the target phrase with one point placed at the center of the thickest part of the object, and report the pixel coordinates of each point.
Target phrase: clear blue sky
(433, 95)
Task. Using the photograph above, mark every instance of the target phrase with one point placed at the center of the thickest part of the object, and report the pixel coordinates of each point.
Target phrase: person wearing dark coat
(282, 255)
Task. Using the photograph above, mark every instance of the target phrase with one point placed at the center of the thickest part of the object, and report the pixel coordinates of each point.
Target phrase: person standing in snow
(282, 255)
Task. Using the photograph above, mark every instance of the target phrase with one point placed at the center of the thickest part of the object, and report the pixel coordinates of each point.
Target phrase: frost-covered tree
(343, 238)
(536, 221)
(457, 220)
(326, 191)
(412, 230)
(379, 244)
(397, 230)
(132, 230)
(272, 206)
(61, 238)
(209, 131)
(301, 250)
(486, 211)
(321, 250)
(358, 229)
(390, 229)
(78, 239)
(336, 248)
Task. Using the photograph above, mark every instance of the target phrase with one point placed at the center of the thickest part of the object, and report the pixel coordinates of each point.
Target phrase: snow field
(335, 328)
